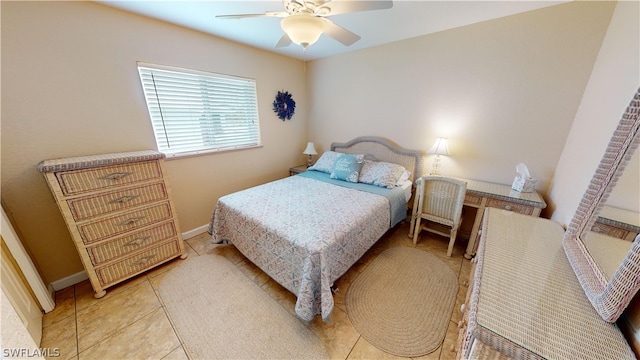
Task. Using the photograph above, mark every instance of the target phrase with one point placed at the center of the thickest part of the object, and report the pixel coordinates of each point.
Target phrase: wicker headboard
(381, 149)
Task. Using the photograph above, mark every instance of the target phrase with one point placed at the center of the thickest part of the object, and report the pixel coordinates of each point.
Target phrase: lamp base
(436, 167)
(309, 162)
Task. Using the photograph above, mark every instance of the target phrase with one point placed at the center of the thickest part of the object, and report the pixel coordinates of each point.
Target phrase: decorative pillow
(403, 178)
(347, 167)
(381, 173)
(325, 162)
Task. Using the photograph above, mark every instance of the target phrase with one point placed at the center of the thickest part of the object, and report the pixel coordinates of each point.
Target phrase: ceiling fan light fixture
(303, 29)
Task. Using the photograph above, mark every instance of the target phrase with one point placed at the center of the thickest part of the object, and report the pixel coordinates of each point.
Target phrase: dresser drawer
(114, 273)
(506, 205)
(79, 181)
(131, 243)
(90, 206)
(120, 224)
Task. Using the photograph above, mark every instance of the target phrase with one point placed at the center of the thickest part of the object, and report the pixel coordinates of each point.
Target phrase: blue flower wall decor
(284, 105)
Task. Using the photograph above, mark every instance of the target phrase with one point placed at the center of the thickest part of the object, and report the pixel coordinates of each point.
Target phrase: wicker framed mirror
(609, 295)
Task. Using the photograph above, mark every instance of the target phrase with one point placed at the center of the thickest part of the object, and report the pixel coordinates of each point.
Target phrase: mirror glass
(605, 260)
(618, 222)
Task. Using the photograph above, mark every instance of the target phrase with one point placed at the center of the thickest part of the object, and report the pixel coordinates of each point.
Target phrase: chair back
(443, 197)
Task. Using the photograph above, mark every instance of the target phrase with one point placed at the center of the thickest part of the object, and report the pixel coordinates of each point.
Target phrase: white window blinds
(193, 111)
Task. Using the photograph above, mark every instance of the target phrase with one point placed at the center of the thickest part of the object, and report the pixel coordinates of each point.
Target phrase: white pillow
(381, 173)
(325, 162)
(403, 178)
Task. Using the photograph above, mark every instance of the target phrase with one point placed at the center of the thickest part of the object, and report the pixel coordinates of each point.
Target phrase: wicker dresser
(119, 211)
(526, 302)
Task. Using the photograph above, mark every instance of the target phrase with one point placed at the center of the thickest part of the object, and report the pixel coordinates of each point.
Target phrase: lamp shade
(303, 29)
(440, 147)
(310, 150)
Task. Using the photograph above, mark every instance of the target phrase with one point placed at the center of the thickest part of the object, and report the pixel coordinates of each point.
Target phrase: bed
(307, 230)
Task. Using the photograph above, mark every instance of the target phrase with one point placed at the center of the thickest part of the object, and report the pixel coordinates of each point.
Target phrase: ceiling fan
(303, 21)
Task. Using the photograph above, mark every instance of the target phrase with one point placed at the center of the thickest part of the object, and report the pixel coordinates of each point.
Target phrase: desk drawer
(115, 225)
(79, 181)
(472, 200)
(87, 207)
(131, 243)
(507, 205)
(140, 262)
(610, 230)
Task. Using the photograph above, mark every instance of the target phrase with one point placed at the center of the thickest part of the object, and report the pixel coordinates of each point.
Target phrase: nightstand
(297, 169)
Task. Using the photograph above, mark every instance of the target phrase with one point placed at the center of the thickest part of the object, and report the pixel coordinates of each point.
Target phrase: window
(194, 112)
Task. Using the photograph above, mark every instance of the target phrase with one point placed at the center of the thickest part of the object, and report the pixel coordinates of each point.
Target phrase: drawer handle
(136, 242)
(116, 176)
(462, 307)
(123, 199)
(143, 260)
(508, 207)
(131, 221)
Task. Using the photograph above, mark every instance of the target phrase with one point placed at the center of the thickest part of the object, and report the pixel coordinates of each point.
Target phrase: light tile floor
(130, 322)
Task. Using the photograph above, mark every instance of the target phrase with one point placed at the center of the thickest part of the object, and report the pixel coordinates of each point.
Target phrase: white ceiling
(406, 19)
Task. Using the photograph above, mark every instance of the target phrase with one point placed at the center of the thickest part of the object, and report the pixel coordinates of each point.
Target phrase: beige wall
(503, 91)
(70, 87)
(613, 82)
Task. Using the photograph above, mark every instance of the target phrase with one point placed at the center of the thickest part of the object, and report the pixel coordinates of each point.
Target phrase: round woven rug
(403, 301)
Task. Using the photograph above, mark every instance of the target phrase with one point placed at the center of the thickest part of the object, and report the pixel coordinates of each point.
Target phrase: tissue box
(524, 184)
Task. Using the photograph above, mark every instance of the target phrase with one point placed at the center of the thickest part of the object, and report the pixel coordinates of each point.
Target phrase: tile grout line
(119, 330)
(166, 313)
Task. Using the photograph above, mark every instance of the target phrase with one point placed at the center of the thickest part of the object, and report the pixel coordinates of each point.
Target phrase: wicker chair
(438, 200)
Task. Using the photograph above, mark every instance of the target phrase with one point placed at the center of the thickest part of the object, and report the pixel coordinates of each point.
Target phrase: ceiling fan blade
(339, 33)
(284, 41)
(337, 7)
(266, 14)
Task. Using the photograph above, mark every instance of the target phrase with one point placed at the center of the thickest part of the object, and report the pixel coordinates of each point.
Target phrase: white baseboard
(82, 275)
(69, 280)
(195, 232)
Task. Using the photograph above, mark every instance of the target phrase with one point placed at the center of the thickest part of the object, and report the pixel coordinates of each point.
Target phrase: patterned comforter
(305, 231)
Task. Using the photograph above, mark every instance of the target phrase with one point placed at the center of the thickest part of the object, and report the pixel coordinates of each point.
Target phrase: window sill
(185, 154)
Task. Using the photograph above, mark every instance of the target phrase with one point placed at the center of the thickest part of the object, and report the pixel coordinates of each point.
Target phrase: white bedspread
(302, 232)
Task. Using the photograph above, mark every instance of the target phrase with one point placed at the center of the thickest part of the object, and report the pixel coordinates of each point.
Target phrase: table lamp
(439, 148)
(310, 150)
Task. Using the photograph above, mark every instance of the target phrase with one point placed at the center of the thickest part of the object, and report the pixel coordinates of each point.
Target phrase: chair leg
(412, 226)
(452, 241)
(416, 231)
(417, 204)
(414, 215)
